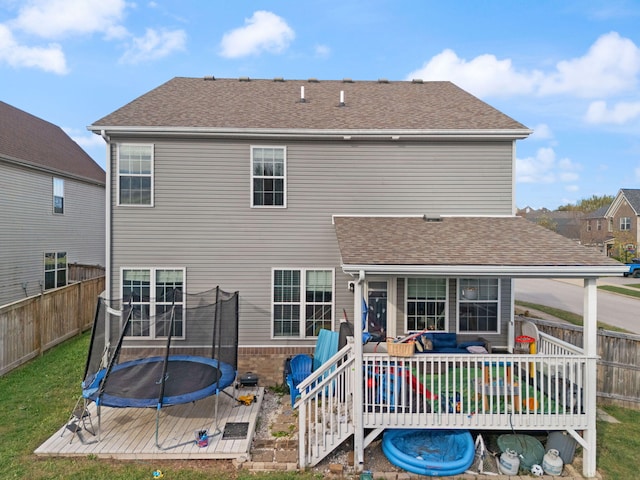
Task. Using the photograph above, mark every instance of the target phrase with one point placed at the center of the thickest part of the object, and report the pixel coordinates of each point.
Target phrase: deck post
(358, 397)
(590, 339)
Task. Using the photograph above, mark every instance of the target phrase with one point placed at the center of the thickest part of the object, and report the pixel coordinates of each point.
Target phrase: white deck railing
(486, 391)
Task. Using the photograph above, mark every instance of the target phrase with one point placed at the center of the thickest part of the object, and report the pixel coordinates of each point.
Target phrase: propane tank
(552, 463)
(509, 462)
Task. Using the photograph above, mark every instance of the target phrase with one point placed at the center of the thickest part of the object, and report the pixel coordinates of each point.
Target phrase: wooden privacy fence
(31, 326)
(618, 365)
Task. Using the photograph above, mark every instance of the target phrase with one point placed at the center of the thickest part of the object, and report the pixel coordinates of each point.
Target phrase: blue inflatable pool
(436, 453)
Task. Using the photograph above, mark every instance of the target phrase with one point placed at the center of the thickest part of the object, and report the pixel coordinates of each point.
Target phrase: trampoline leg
(99, 422)
(215, 416)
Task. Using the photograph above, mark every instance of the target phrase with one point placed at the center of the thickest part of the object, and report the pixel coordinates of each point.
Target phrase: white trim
(152, 300)
(522, 271)
(302, 302)
(338, 134)
(152, 175)
(284, 176)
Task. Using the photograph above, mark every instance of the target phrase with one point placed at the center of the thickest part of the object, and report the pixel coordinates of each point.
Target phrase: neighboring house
(595, 230)
(53, 206)
(623, 220)
(566, 223)
(307, 196)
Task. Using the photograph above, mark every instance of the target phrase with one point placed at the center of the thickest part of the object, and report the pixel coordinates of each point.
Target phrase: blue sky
(569, 69)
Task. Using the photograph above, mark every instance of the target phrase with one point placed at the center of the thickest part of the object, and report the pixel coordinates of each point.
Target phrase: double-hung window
(152, 292)
(135, 174)
(426, 304)
(625, 223)
(55, 270)
(268, 177)
(478, 304)
(302, 302)
(58, 195)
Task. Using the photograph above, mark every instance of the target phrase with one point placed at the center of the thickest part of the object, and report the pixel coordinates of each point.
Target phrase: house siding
(202, 219)
(30, 228)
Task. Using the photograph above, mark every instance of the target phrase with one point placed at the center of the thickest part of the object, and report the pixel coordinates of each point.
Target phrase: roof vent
(209, 77)
(313, 80)
(417, 80)
(432, 218)
(244, 79)
(347, 80)
(278, 79)
(383, 80)
(302, 99)
(341, 98)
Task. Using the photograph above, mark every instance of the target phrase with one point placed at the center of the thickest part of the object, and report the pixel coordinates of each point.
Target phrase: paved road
(617, 310)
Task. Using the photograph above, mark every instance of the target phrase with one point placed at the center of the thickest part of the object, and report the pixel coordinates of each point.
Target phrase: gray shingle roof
(633, 197)
(498, 241)
(270, 104)
(29, 139)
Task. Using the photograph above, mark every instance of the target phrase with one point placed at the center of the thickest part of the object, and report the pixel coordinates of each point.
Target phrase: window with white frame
(588, 225)
(599, 224)
(625, 223)
(135, 174)
(268, 177)
(426, 304)
(55, 270)
(478, 304)
(58, 195)
(302, 302)
(152, 292)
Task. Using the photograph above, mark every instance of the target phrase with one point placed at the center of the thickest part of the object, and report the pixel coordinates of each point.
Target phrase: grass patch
(633, 285)
(621, 290)
(569, 317)
(618, 444)
(36, 400)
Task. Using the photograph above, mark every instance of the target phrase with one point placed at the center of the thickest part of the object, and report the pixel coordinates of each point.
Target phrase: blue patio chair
(300, 366)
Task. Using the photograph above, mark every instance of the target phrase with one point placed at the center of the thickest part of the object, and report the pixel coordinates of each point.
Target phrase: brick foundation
(267, 362)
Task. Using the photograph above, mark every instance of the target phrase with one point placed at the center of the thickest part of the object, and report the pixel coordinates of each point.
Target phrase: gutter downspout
(107, 228)
(358, 377)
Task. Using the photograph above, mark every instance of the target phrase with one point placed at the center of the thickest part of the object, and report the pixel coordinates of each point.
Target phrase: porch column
(358, 397)
(590, 345)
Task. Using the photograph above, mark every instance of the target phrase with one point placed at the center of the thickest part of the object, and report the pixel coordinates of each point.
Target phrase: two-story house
(53, 206)
(623, 224)
(595, 230)
(309, 196)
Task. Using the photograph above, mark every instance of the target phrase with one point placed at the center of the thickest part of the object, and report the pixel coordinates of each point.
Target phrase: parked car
(634, 268)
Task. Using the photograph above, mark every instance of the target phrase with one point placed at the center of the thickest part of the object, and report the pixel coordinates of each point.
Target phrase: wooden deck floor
(129, 433)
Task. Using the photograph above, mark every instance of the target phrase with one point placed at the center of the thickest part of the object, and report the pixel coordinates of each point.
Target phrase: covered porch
(362, 392)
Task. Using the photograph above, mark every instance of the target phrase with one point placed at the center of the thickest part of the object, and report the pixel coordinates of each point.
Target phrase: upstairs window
(599, 224)
(625, 223)
(588, 225)
(55, 270)
(58, 195)
(426, 304)
(268, 177)
(135, 174)
(478, 307)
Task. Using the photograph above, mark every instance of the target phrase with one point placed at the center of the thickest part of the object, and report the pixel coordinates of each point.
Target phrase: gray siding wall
(202, 219)
(29, 228)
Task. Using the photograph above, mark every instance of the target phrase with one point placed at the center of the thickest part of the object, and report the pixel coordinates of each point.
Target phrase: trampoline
(138, 383)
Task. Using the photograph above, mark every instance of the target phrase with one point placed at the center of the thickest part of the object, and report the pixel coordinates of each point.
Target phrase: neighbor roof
(243, 104)
(29, 140)
(633, 197)
(463, 245)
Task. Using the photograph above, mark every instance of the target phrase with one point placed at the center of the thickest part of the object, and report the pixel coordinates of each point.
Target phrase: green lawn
(35, 400)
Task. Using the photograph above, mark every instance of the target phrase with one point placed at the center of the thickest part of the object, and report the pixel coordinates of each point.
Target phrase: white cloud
(50, 58)
(84, 139)
(263, 32)
(572, 188)
(62, 18)
(622, 112)
(611, 66)
(154, 45)
(322, 51)
(545, 169)
(484, 75)
(541, 132)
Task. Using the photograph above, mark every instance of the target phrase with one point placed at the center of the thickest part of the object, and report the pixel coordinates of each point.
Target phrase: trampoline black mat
(235, 430)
